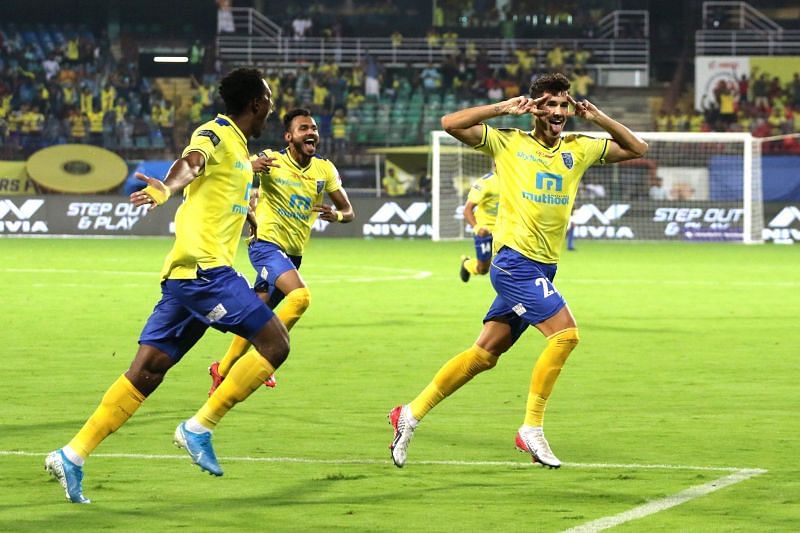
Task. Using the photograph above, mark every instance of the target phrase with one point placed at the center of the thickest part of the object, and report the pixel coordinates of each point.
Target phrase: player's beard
(308, 150)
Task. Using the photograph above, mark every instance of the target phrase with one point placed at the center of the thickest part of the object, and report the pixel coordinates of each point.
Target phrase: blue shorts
(220, 297)
(525, 292)
(269, 262)
(483, 247)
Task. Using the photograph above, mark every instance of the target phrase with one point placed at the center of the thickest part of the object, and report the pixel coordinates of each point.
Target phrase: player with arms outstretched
(199, 287)
(289, 201)
(539, 172)
(480, 212)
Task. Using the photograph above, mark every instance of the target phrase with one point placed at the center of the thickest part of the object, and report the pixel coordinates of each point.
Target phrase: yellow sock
(472, 266)
(239, 346)
(293, 306)
(245, 376)
(119, 403)
(453, 374)
(546, 371)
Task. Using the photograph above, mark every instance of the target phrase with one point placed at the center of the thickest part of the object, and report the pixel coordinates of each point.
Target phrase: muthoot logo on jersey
(591, 223)
(391, 220)
(16, 218)
(785, 227)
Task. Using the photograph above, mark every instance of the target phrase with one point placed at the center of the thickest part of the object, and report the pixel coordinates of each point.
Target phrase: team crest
(320, 185)
(568, 162)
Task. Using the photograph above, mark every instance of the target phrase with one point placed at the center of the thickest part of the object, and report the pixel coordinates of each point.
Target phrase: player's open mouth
(557, 123)
(310, 142)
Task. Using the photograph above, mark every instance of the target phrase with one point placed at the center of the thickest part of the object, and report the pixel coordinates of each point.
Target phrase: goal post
(689, 186)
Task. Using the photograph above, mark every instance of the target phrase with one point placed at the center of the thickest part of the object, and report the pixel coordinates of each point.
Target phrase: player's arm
(469, 215)
(466, 124)
(182, 172)
(624, 144)
(340, 211)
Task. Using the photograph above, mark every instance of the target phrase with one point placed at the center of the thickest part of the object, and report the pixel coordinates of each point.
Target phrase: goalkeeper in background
(480, 211)
(538, 174)
(289, 201)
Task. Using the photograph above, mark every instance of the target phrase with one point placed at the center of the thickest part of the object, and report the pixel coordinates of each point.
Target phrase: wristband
(339, 216)
(158, 196)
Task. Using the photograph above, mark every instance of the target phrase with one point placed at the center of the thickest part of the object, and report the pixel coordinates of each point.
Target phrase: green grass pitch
(689, 358)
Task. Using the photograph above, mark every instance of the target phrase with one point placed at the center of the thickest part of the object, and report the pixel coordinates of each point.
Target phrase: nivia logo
(389, 210)
(391, 220)
(783, 229)
(786, 217)
(592, 223)
(587, 212)
(19, 221)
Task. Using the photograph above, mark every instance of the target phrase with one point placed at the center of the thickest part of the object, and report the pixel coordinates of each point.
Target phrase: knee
(272, 342)
(300, 298)
(482, 268)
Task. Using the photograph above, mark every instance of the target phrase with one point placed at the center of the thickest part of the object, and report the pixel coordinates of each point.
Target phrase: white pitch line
(662, 504)
(311, 460)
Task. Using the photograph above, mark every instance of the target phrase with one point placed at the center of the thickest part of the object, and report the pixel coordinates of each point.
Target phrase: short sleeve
(476, 192)
(492, 141)
(207, 142)
(595, 149)
(332, 181)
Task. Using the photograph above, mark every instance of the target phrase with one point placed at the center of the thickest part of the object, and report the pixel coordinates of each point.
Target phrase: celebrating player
(480, 211)
(539, 172)
(288, 204)
(199, 287)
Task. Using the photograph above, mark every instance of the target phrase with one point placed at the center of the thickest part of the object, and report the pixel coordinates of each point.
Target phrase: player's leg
(297, 297)
(561, 332)
(479, 265)
(169, 332)
(274, 281)
(247, 316)
(499, 333)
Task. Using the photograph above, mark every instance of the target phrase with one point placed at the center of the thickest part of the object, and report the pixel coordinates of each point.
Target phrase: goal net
(689, 186)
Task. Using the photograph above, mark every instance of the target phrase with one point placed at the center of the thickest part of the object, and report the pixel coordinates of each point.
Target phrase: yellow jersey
(538, 185)
(208, 225)
(485, 194)
(287, 194)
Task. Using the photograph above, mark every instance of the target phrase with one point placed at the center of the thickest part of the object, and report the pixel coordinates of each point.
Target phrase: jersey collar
(548, 148)
(294, 163)
(232, 124)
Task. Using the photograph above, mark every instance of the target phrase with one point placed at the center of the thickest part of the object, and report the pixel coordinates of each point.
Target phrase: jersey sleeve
(476, 192)
(208, 142)
(594, 149)
(332, 180)
(492, 141)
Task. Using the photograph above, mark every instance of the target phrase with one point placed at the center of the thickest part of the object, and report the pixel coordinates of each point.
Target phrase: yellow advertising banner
(782, 67)
(14, 179)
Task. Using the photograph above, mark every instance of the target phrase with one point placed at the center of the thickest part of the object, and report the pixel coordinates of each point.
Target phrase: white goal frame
(752, 204)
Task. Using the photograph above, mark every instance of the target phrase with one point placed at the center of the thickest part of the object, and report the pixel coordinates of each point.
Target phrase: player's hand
(584, 109)
(156, 193)
(326, 212)
(483, 232)
(523, 104)
(263, 163)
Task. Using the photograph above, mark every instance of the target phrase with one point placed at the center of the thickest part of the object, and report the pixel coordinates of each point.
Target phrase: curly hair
(552, 83)
(239, 88)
